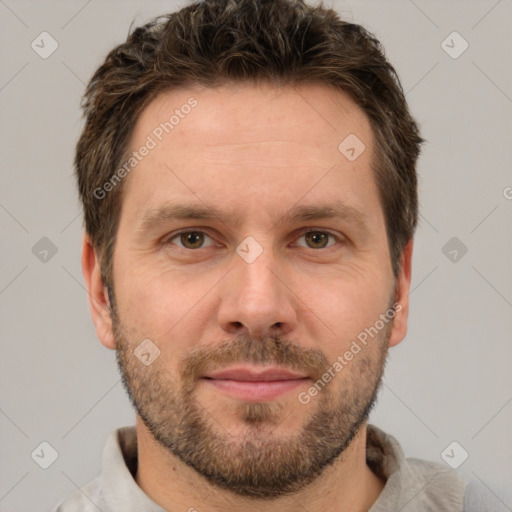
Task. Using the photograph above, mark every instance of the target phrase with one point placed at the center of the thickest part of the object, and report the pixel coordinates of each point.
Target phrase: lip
(251, 373)
(254, 384)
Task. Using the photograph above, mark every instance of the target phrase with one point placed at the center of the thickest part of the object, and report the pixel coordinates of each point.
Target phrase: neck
(348, 485)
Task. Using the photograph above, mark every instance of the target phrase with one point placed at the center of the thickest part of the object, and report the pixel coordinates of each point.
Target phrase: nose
(256, 299)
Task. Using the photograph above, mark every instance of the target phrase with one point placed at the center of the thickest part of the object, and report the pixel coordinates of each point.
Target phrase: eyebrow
(336, 210)
(155, 217)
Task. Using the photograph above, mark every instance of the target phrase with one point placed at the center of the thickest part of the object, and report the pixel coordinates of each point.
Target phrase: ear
(403, 285)
(99, 303)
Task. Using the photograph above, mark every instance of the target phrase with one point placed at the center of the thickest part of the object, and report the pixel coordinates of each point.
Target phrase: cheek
(163, 306)
(348, 307)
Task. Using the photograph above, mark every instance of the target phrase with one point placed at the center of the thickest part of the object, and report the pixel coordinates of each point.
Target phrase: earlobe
(403, 285)
(98, 296)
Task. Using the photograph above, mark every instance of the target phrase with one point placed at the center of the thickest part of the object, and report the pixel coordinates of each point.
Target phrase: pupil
(315, 237)
(189, 238)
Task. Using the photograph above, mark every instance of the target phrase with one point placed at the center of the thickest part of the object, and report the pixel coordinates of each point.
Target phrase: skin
(255, 152)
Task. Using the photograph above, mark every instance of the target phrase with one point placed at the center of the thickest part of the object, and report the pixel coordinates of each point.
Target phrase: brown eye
(317, 239)
(194, 238)
(190, 239)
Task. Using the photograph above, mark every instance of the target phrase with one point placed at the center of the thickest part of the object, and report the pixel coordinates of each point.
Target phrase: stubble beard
(258, 462)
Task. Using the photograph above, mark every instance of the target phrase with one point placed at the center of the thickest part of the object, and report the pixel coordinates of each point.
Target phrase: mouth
(254, 384)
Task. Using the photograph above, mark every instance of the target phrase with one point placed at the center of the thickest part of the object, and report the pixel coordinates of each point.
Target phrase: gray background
(450, 380)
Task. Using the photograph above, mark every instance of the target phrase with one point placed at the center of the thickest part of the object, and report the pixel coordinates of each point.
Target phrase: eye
(318, 239)
(194, 239)
(190, 239)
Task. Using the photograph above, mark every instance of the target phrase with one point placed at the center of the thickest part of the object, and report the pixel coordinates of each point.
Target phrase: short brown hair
(213, 42)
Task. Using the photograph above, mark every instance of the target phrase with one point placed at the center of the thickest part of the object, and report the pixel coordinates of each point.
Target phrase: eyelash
(301, 234)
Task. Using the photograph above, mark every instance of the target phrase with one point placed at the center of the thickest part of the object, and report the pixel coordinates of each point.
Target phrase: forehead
(254, 141)
(251, 114)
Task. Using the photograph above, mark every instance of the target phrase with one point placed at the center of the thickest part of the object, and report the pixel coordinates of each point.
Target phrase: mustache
(270, 350)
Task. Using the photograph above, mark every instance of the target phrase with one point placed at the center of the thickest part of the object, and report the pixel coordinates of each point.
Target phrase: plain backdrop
(450, 380)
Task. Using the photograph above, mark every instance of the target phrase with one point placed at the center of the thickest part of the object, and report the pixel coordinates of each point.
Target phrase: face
(252, 254)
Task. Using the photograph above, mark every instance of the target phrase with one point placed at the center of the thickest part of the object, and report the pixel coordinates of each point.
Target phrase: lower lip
(255, 391)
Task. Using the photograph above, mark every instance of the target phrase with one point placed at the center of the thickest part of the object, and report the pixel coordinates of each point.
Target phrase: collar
(412, 485)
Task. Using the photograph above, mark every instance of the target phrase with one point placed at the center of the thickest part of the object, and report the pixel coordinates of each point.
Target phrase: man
(247, 171)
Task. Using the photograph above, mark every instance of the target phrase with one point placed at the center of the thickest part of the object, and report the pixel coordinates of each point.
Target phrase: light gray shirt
(412, 485)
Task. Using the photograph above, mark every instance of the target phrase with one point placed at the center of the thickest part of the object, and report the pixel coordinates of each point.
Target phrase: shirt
(412, 485)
